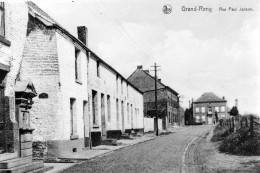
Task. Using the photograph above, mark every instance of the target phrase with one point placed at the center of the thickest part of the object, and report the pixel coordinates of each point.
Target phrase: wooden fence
(252, 122)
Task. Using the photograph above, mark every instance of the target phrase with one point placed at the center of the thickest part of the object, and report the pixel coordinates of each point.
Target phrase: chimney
(159, 80)
(147, 71)
(140, 67)
(223, 97)
(189, 103)
(236, 103)
(83, 34)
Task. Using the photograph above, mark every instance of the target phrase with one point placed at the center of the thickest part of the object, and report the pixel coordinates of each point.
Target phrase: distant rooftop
(209, 97)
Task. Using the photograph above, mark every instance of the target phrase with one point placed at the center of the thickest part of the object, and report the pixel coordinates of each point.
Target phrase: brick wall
(40, 65)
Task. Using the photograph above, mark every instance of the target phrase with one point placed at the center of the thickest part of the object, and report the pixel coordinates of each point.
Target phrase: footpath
(103, 150)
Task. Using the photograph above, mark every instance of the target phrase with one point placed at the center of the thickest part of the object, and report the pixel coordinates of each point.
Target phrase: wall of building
(16, 17)
(111, 84)
(200, 114)
(40, 65)
(70, 88)
(49, 62)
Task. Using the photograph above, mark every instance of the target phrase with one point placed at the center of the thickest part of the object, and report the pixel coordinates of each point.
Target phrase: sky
(197, 51)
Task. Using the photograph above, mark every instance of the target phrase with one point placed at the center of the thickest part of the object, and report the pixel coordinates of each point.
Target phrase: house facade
(81, 99)
(167, 98)
(16, 95)
(13, 26)
(207, 107)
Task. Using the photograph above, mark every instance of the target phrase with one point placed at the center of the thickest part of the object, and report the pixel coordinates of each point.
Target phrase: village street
(163, 154)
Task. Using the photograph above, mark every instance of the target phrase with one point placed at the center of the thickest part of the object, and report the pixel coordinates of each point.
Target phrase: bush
(219, 133)
(241, 143)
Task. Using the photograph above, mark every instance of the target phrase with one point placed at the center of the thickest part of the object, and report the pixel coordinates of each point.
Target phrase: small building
(167, 98)
(207, 107)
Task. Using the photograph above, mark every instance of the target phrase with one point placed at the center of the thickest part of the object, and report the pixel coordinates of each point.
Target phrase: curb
(110, 152)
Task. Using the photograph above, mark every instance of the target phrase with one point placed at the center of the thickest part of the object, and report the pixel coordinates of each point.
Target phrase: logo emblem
(167, 9)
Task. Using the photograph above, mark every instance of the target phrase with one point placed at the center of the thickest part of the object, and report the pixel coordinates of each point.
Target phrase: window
(217, 109)
(73, 117)
(128, 116)
(202, 109)
(117, 110)
(197, 118)
(108, 109)
(77, 66)
(98, 70)
(94, 107)
(203, 118)
(2, 19)
(197, 110)
(222, 108)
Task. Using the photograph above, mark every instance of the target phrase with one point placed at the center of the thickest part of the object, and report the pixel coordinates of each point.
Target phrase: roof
(148, 74)
(25, 86)
(209, 97)
(47, 20)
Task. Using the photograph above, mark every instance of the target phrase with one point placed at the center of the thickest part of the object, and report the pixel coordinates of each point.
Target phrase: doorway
(103, 116)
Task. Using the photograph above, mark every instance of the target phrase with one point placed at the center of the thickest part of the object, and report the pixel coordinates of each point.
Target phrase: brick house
(167, 98)
(207, 106)
(81, 99)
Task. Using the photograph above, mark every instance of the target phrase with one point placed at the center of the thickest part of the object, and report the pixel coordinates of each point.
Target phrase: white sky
(197, 51)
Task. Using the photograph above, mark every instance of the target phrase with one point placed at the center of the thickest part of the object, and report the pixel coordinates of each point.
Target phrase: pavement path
(163, 154)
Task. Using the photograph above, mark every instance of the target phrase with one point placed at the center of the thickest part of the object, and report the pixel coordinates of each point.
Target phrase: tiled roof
(209, 97)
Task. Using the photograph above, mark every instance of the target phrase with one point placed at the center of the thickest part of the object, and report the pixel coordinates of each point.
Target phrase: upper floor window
(202, 109)
(222, 108)
(2, 19)
(197, 109)
(217, 109)
(77, 65)
(98, 70)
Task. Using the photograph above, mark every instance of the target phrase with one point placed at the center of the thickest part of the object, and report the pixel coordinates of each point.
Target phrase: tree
(234, 111)
(187, 116)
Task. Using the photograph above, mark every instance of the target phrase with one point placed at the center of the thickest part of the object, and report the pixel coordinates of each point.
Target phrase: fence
(252, 122)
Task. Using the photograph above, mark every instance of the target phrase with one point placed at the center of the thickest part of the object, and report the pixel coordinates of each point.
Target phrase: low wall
(149, 124)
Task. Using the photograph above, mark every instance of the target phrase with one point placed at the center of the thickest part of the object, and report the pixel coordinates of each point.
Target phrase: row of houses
(51, 83)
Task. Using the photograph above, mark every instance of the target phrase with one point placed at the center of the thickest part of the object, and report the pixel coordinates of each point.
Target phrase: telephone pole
(155, 85)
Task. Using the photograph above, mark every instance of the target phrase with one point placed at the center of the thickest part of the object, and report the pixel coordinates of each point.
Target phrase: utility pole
(155, 85)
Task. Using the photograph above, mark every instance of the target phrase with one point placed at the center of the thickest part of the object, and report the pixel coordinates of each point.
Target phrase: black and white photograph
(130, 86)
